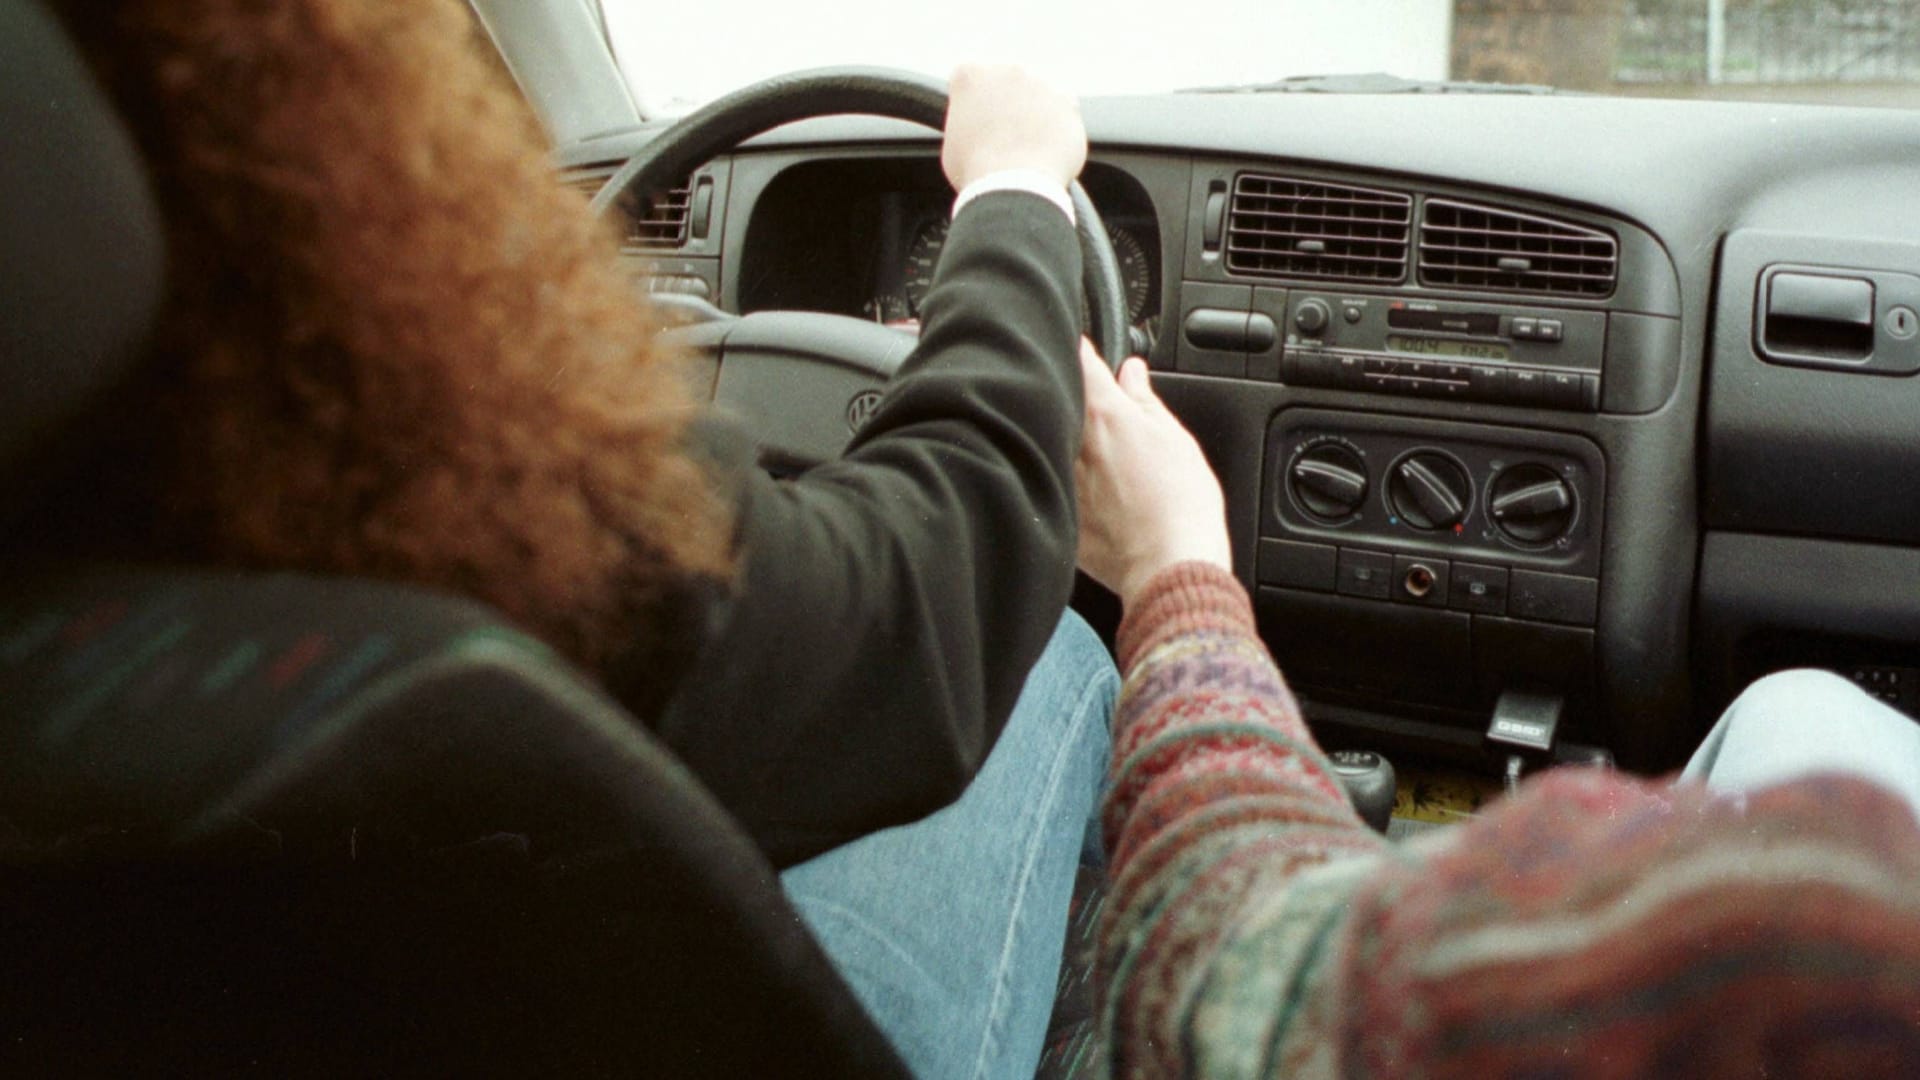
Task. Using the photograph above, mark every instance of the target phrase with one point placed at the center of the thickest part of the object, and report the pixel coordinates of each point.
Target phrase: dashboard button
(1366, 573)
(1547, 330)
(1213, 328)
(1525, 387)
(1479, 589)
(1319, 369)
(1261, 333)
(1489, 383)
(1348, 372)
(1553, 598)
(1562, 389)
(1297, 565)
(1383, 365)
(1351, 313)
(1590, 393)
(1524, 329)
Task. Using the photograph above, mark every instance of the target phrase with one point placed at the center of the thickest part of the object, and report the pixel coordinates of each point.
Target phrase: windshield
(1858, 52)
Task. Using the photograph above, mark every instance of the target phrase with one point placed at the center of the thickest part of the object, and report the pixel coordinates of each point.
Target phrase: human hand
(1002, 117)
(1148, 499)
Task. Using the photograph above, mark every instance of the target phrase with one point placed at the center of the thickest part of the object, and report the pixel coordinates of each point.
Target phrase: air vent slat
(1463, 245)
(659, 223)
(1287, 227)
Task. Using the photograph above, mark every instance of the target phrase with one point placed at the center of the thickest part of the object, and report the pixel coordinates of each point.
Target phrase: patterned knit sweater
(1593, 925)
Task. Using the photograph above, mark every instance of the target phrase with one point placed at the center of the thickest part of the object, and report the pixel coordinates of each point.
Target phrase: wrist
(1180, 598)
(1035, 181)
(1149, 572)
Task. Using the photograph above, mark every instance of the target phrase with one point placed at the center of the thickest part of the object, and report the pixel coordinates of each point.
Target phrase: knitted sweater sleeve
(1219, 801)
(1593, 924)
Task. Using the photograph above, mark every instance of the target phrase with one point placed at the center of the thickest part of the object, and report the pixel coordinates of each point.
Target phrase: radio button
(1383, 365)
(1419, 369)
(1590, 392)
(1525, 386)
(1317, 369)
(1450, 388)
(1524, 329)
(1351, 313)
(1547, 330)
(1453, 372)
(1348, 372)
(1489, 383)
(1380, 382)
(1562, 389)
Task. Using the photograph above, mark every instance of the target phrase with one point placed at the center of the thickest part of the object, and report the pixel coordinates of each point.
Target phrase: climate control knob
(1329, 481)
(1531, 504)
(1429, 491)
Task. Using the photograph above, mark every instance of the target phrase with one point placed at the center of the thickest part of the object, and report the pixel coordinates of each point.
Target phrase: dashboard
(1609, 400)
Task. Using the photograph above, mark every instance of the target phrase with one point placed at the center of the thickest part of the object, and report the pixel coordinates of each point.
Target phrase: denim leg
(1794, 723)
(950, 929)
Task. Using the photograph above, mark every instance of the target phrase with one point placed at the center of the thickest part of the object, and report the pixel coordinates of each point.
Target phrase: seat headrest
(82, 255)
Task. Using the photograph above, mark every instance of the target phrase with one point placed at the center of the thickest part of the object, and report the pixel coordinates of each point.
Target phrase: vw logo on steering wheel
(861, 408)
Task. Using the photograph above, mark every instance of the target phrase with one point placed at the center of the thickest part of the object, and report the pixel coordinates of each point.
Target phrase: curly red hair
(394, 344)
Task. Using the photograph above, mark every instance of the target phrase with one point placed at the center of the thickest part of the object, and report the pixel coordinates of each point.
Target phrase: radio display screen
(1464, 350)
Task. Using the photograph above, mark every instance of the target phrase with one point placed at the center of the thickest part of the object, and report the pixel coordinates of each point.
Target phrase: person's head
(393, 344)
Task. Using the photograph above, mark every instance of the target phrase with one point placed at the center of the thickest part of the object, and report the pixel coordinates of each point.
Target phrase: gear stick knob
(1369, 781)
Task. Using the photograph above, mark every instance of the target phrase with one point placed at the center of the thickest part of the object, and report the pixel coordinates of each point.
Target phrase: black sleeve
(892, 602)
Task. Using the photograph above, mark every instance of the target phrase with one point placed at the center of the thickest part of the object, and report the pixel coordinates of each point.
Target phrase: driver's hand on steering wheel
(1002, 118)
(1147, 497)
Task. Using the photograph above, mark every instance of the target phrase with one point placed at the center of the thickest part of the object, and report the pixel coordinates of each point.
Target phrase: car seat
(300, 825)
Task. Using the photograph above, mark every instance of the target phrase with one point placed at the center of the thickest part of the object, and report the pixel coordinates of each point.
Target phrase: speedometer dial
(1136, 270)
(923, 257)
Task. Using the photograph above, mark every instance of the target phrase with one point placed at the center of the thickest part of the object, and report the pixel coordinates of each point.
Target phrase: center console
(1451, 385)
(1429, 560)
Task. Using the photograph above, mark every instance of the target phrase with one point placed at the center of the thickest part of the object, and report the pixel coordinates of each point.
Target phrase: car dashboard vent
(655, 224)
(1480, 247)
(1283, 227)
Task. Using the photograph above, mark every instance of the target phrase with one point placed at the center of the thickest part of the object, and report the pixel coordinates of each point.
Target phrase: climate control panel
(1433, 512)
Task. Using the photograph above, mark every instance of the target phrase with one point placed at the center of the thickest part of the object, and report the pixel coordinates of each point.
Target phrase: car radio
(1427, 348)
(1390, 343)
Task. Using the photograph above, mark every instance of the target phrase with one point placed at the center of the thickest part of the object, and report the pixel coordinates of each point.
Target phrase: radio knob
(1329, 481)
(1312, 316)
(1428, 491)
(1531, 504)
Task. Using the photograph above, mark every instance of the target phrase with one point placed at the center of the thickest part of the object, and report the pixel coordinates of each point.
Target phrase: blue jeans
(950, 929)
(1800, 722)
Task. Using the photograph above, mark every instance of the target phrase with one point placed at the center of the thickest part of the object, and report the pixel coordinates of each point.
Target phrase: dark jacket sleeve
(891, 602)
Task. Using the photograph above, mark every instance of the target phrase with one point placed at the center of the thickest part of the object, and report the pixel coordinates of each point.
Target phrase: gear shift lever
(1369, 781)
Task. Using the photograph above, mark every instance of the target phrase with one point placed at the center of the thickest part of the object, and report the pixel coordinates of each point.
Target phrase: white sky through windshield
(677, 56)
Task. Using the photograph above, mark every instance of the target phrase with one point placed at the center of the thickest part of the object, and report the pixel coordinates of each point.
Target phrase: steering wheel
(800, 375)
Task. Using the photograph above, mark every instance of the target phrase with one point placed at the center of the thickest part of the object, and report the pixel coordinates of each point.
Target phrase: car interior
(1545, 422)
(1601, 400)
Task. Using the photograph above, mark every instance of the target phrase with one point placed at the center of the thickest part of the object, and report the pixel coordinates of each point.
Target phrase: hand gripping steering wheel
(837, 353)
